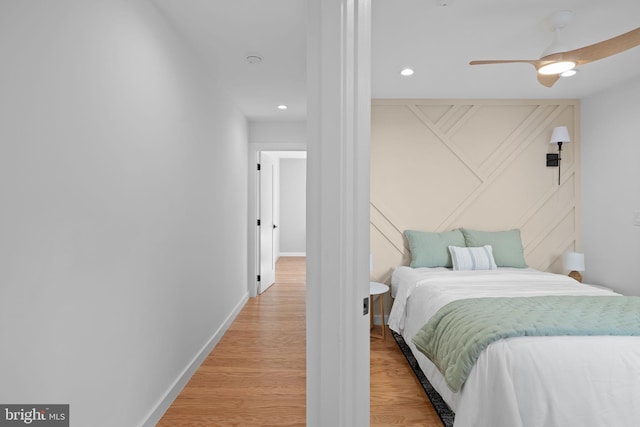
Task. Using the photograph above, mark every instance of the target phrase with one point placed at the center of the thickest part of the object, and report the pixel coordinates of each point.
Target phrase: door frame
(253, 246)
(338, 167)
(338, 135)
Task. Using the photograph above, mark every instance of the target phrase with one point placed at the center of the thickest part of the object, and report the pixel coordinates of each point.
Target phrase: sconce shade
(574, 261)
(560, 134)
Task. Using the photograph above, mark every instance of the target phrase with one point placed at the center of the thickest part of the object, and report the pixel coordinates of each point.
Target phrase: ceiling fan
(556, 60)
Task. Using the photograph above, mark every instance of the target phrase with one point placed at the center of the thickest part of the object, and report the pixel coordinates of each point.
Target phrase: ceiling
(437, 41)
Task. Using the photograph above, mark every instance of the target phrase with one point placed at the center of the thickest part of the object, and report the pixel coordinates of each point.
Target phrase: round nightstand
(380, 289)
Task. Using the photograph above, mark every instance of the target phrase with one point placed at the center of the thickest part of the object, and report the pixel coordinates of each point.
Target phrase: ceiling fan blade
(504, 61)
(548, 80)
(605, 48)
(579, 56)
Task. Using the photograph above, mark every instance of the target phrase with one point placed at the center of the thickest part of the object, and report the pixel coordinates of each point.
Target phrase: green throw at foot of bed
(454, 337)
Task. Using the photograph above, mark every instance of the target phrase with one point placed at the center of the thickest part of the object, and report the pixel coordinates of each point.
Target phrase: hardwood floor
(397, 398)
(255, 376)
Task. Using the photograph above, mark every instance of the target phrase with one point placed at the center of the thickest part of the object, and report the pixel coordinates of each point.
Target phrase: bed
(550, 381)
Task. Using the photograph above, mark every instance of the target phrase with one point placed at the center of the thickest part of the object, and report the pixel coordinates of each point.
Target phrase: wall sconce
(559, 136)
(574, 261)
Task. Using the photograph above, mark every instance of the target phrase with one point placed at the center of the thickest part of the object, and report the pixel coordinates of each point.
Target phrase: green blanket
(454, 337)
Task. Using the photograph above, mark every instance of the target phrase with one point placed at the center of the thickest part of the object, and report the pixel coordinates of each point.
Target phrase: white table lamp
(574, 262)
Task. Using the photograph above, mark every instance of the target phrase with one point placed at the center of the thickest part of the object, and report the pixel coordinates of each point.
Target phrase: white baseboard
(170, 395)
(293, 254)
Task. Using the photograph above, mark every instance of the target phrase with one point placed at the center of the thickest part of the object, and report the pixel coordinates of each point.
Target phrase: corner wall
(123, 179)
(611, 187)
(441, 164)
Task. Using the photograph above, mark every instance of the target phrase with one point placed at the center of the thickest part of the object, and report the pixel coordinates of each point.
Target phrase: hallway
(256, 375)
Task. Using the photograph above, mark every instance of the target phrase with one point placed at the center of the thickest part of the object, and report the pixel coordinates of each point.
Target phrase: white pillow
(476, 258)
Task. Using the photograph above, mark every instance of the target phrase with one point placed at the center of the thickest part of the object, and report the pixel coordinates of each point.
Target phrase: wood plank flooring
(255, 376)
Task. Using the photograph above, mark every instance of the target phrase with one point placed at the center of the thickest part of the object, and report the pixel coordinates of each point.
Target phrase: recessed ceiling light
(254, 59)
(569, 73)
(407, 72)
(282, 107)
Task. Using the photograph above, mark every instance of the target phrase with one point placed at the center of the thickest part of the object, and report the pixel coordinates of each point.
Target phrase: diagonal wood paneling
(442, 164)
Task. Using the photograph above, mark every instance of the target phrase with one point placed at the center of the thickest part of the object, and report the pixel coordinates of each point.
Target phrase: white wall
(293, 181)
(123, 183)
(278, 132)
(611, 187)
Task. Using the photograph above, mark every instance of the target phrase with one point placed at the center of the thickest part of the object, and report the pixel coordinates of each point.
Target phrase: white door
(266, 227)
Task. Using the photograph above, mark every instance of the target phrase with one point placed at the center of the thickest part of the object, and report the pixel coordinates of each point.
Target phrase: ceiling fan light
(556, 67)
(569, 73)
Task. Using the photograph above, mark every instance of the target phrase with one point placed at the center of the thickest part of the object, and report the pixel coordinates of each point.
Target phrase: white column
(339, 99)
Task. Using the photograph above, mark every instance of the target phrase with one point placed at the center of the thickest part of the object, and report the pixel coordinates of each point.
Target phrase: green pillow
(507, 245)
(430, 249)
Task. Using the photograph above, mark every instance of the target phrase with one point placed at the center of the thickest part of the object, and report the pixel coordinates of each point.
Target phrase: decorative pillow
(480, 258)
(430, 249)
(507, 245)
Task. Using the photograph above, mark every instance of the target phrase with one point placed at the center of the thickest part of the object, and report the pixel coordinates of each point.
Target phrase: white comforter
(528, 381)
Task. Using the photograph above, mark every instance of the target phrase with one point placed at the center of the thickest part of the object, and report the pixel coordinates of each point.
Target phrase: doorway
(280, 211)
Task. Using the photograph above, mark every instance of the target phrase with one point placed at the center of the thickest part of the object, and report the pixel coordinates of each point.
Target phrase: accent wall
(437, 165)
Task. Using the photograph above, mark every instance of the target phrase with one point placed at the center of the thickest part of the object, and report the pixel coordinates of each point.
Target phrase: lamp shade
(560, 134)
(574, 261)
